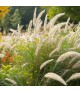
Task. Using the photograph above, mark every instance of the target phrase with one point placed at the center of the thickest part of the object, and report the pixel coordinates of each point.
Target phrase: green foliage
(70, 11)
(18, 14)
(5, 22)
(15, 19)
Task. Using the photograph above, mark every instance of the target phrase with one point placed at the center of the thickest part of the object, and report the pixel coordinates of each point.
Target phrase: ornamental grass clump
(47, 54)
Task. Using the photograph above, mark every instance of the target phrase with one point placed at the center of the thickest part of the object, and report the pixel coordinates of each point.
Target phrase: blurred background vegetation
(11, 16)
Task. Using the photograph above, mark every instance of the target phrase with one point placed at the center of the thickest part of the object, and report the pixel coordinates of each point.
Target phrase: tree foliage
(70, 11)
(15, 18)
(3, 11)
(11, 16)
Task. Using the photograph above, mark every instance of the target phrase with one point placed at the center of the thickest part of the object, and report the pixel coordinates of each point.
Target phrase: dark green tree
(15, 19)
(5, 22)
